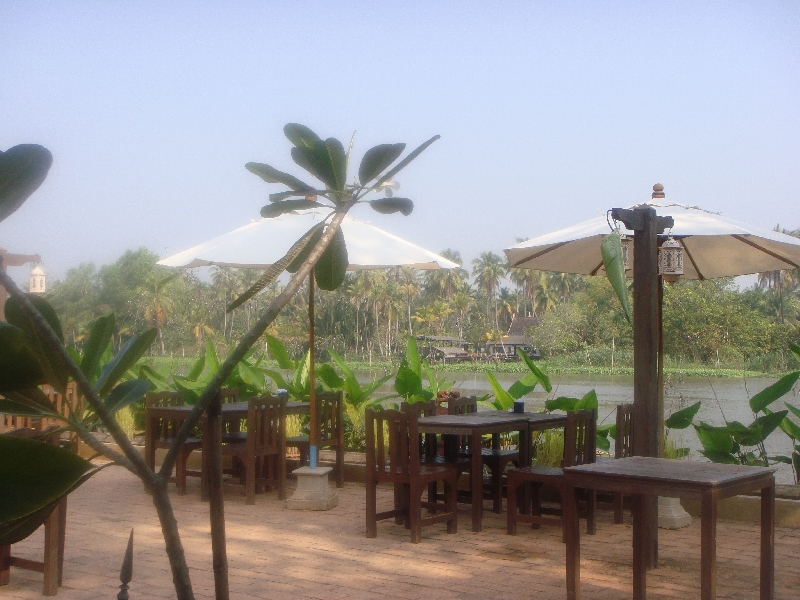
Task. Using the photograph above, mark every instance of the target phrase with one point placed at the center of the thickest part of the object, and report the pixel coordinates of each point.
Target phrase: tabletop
(229, 409)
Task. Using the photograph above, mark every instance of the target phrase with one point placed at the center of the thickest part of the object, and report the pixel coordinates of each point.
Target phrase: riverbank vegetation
(710, 327)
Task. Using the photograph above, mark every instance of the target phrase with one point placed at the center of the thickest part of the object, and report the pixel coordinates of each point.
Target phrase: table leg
(477, 480)
(708, 546)
(639, 547)
(573, 544)
(768, 542)
(204, 470)
(525, 452)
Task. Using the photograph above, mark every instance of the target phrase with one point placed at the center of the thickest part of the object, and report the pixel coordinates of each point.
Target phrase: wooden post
(646, 226)
(219, 553)
(313, 417)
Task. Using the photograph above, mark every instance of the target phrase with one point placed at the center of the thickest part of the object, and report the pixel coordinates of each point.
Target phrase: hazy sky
(550, 113)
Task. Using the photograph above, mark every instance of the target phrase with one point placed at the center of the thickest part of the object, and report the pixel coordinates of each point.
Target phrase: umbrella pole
(313, 426)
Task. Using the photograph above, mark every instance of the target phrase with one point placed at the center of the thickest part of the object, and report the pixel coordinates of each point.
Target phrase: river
(722, 399)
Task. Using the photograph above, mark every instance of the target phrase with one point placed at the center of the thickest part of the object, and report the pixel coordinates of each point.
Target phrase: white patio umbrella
(265, 241)
(714, 246)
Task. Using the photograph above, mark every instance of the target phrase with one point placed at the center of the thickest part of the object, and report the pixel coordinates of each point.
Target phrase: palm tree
(156, 303)
(446, 282)
(461, 302)
(409, 285)
(488, 269)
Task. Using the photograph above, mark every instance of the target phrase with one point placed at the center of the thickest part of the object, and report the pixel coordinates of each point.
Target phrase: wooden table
(709, 482)
(478, 424)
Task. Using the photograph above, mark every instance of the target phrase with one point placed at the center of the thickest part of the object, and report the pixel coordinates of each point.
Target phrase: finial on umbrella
(658, 191)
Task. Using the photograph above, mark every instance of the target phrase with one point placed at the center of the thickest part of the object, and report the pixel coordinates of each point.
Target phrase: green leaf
(720, 457)
(433, 383)
(330, 377)
(795, 350)
(99, 338)
(33, 474)
(23, 168)
(279, 352)
(20, 409)
(53, 368)
(766, 396)
(279, 208)
(523, 386)
(252, 376)
(761, 428)
(198, 367)
(541, 376)
(280, 382)
(19, 367)
(588, 402)
(714, 439)
(407, 383)
(504, 399)
(376, 159)
(126, 393)
(126, 358)
(300, 135)
(602, 443)
(324, 160)
(561, 403)
(793, 409)
(788, 426)
(332, 266)
(159, 382)
(412, 356)
(348, 373)
(405, 162)
(682, 418)
(611, 250)
(387, 206)
(271, 175)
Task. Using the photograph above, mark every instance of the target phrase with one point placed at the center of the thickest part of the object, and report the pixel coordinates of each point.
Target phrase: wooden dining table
(644, 476)
(481, 423)
(229, 412)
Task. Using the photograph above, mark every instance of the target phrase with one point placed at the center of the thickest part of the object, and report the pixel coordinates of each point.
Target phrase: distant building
(506, 349)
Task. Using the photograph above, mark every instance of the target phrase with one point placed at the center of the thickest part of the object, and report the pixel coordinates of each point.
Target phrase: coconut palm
(488, 269)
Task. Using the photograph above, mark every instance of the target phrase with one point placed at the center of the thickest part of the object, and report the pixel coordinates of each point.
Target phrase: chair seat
(426, 470)
(192, 443)
(297, 440)
(538, 472)
(233, 437)
(464, 463)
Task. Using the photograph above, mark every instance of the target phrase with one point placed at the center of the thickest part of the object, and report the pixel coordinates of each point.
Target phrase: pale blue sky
(550, 113)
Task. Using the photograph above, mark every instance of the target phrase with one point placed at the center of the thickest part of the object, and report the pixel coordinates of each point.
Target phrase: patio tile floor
(277, 553)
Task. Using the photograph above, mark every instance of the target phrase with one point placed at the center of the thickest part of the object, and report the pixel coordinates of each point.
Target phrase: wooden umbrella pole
(313, 417)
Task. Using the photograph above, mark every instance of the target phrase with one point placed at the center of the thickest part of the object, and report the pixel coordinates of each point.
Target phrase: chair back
(400, 452)
(427, 442)
(67, 404)
(266, 425)
(169, 398)
(330, 415)
(228, 395)
(623, 444)
(464, 405)
(580, 438)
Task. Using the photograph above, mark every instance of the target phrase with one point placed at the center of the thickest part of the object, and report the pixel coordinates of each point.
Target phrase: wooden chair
(399, 462)
(579, 448)
(67, 405)
(52, 566)
(623, 447)
(161, 431)
(263, 452)
(330, 414)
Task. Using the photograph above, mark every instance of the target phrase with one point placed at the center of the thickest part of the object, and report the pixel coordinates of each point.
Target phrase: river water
(722, 399)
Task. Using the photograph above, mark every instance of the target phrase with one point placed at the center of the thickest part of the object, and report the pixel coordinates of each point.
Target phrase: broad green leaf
(23, 168)
(126, 393)
(611, 250)
(793, 409)
(272, 175)
(720, 457)
(523, 386)
(331, 267)
(325, 161)
(279, 208)
(433, 383)
(338, 160)
(19, 367)
(412, 356)
(274, 270)
(504, 399)
(212, 360)
(561, 403)
(160, 382)
(788, 426)
(330, 377)
(387, 206)
(28, 409)
(781, 459)
(763, 426)
(795, 350)
(99, 338)
(279, 352)
(252, 376)
(348, 373)
(714, 439)
(602, 443)
(376, 159)
(53, 368)
(300, 135)
(766, 396)
(197, 368)
(407, 383)
(33, 474)
(280, 382)
(588, 402)
(35, 399)
(540, 375)
(389, 175)
(682, 418)
(126, 358)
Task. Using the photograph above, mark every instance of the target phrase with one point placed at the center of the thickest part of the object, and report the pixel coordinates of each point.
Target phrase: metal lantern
(37, 281)
(627, 245)
(670, 260)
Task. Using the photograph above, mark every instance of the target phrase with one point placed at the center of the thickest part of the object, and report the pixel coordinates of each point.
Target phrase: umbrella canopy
(263, 242)
(714, 246)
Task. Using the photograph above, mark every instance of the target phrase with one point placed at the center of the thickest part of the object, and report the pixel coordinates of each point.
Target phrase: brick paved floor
(277, 553)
